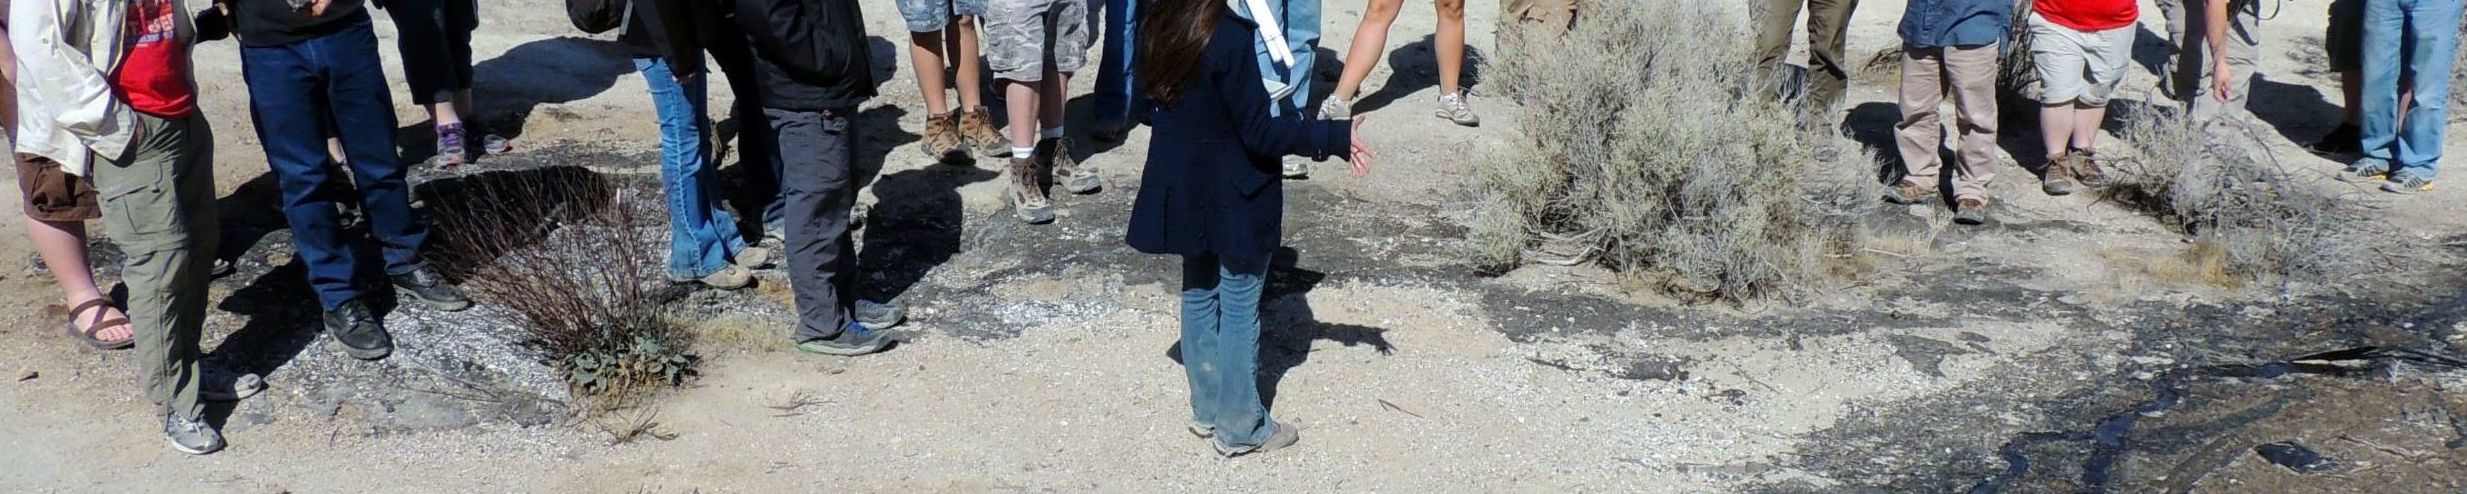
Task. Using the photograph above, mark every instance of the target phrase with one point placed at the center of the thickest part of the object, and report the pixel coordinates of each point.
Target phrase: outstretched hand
(1362, 155)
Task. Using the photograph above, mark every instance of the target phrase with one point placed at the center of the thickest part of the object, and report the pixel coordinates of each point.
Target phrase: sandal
(87, 335)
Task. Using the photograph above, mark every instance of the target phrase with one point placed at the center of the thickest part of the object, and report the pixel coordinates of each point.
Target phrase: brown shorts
(52, 194)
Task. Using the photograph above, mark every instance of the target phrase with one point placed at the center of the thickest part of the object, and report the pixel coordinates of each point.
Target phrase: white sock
(1023, 153)
(1049, 133)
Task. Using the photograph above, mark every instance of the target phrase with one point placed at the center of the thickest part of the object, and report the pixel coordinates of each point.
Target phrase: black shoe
(426, 286)
(2346, 139)
(358, 331)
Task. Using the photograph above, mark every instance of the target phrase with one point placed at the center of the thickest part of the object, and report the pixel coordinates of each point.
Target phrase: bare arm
(2214, 26)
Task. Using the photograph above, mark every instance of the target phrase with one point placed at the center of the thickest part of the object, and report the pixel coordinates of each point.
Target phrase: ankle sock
(1049, 133)
(1022, 153)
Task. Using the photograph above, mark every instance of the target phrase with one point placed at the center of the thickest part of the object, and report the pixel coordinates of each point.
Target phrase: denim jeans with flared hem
(702, 237)
(1220, 347)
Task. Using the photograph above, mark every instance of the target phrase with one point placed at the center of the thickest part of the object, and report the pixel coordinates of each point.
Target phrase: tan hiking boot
(2058, 178)
(1970, 211)
(1908, 192)
(942, 140)
(1068, 172)
(1026, 193)
(976, 130)
(2086, 169)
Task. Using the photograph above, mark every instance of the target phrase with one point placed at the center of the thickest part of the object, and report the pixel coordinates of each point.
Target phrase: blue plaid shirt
(1956, 23)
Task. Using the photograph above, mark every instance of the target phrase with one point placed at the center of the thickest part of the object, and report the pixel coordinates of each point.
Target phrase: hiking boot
(1970, 211)
(854, 340)
(2361, 173)
(1453, 107)
(878, 315)
(730, 277)
(1908, 192)
(1335, 109)
(2086, 169)
(430, 289)
(358, 332)
(2407, 184)
(1283, 436)
(1026, 193)
(1068, 172)
(752, 257)
(2346, 139)
(1296, 169)
(191, 434)
(2058, 180)
(976, 130)
(220, 384)
(942, 140)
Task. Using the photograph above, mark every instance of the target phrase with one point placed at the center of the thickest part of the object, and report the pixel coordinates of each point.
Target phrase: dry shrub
(2017, 75)
(2250, 218)
(575, 258)
(1645, 151)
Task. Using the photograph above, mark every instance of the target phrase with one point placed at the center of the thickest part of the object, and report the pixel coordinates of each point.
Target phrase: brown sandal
(87, 335)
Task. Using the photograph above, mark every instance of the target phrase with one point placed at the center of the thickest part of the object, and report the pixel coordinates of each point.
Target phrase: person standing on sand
(57, 206)
(434, 37)
(1211, 195)
(2406, 40)
(946, 30)
(1117, 103)
(116, 100)
(1950, 47)
(815, 70)
(1828, 30)
(308, 63)
(1370, 39)
(2208, 30)
(704, 243)
(2081, 49)
(1034, 46)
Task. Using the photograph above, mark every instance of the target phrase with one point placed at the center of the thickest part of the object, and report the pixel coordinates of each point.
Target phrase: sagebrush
(2249, 217)
(1644, 149)
(574, 257)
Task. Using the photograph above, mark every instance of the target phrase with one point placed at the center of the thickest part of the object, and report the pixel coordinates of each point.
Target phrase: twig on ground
(1398, 409)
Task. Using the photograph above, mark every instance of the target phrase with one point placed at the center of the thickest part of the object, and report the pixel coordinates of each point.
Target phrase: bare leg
(1370, 40)
(1451, 39)
(1022, 99)
(2086, 121)
(970, 72)
(925, 50)
(462, 104)
(2056, 128)
(63, 247)
(2351, 94)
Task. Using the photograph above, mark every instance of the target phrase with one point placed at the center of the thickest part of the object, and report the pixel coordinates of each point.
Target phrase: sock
(1022, 153)
(1049, 133)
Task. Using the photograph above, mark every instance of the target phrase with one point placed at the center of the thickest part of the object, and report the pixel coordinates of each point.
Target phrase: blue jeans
(292, 90)
(1220, 346)
(702, 238)
(2416, 40)
(1117, 93)
(1300, 18)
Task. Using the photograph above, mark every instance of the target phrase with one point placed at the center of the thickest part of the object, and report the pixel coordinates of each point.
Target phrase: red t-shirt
(2090, 15)
(155, 77)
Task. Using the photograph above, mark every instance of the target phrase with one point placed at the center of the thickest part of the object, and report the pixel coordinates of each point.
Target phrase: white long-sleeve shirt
(66, 109)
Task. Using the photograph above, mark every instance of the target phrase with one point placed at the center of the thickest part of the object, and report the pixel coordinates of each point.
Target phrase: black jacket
(274, 23)
(1211, 185)
(810, 55)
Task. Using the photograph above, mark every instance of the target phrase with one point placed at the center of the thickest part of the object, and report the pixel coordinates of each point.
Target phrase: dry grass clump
(2250, 219)
(568, 253)
(1647, 151)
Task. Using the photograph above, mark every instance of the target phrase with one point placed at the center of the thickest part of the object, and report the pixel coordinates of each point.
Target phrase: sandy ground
(1040, 358)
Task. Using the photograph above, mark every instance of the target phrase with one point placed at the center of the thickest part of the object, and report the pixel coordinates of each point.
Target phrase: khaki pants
(1969, 75)
(1828, 28)
(2189, 73)
(158, 203)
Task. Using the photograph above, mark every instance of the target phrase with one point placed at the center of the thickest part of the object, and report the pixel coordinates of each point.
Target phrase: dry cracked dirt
(2040, 353)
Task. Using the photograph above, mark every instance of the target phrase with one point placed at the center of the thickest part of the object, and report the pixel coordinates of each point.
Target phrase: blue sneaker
(854, 340)
(2407, 183)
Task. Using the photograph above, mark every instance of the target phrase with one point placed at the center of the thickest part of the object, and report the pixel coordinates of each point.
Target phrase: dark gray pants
(818, 189)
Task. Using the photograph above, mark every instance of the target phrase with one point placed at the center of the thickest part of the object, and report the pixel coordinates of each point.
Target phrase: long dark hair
(1173, 35)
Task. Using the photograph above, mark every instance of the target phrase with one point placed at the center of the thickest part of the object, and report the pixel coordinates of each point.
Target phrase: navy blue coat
(1212, 183)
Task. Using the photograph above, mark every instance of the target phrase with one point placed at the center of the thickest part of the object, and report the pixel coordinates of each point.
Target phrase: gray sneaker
(191, 434)
(2363, 174)
(1454, 108)
(852, 341)
(2405, 183)
(1204, 431)
(222, 384)
(1335, 109)
(1283, 436)
(879, 315)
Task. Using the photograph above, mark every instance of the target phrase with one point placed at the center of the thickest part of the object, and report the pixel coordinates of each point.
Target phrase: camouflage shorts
(926, 16)
(1021, 35)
